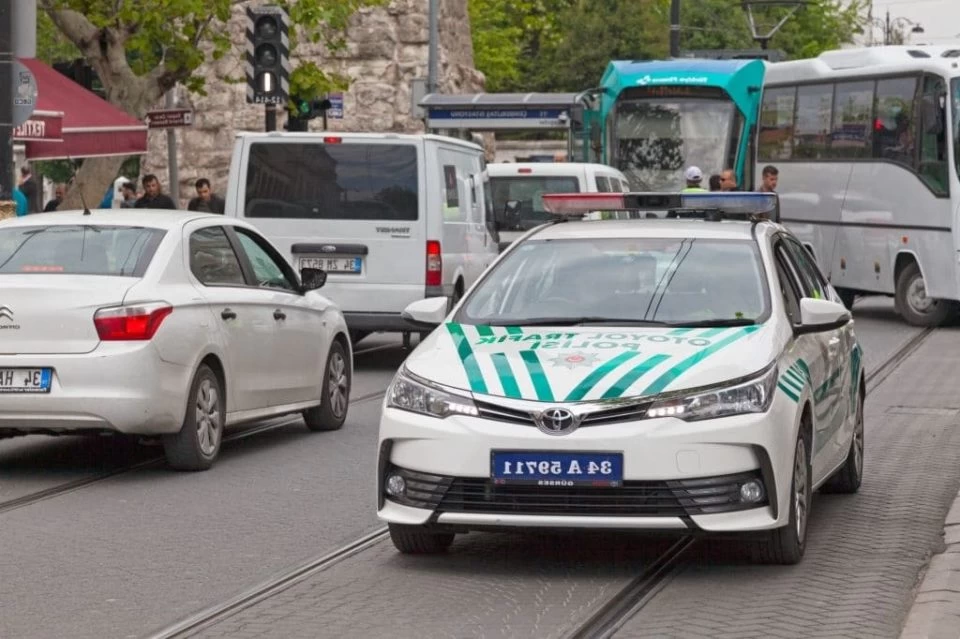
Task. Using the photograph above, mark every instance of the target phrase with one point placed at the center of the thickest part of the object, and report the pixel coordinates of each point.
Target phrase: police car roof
(665, 228)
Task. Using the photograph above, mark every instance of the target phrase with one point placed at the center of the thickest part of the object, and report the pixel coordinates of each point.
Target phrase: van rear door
(352, 206)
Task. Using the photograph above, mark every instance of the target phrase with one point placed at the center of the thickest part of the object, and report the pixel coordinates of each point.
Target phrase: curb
(935, 613)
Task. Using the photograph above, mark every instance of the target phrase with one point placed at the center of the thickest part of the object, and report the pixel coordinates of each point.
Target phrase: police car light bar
(682, 205)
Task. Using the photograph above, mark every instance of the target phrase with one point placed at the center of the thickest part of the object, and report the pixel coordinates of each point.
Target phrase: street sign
(24, 93)
(335, 112)
(168, 118)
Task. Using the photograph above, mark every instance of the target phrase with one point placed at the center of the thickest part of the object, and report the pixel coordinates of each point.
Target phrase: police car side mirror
(817, 316)
(428, 313)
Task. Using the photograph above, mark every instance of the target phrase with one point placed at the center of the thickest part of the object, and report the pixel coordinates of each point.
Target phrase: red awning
(91, 127)
(43, 126)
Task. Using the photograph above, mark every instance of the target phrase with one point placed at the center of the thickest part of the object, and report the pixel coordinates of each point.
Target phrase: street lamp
(889, 25)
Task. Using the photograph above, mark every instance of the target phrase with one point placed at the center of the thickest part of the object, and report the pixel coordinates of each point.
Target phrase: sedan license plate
(333, 264)
(557, 469)
(25, 380)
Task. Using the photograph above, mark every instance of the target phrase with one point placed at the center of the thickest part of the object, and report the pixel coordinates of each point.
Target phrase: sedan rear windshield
(332, 181)
(122, 251)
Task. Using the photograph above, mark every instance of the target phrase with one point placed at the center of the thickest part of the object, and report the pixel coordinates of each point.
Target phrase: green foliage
(179, 35)
(567, 46)
(53, 46)
(62, 171)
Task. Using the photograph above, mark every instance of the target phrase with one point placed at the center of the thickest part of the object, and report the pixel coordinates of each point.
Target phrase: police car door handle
(279, 315)
(227, 314)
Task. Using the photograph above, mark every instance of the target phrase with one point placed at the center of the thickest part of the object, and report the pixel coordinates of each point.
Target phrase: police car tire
(848, 477)
(784, 547)
(322, 417)
(416, 540)
(942, 310)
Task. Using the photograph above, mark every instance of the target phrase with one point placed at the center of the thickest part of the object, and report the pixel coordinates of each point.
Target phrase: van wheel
(335, 396)
(912, 301)
(197, 444)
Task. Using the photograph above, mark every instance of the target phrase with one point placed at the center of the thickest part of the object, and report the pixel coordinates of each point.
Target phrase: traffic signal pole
(675, 29)
(268, 60)
(270, 119)
(7, 179)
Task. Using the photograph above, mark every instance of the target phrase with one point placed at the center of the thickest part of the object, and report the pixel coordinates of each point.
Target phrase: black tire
(197, 444)
(926, 312)
(787, 544)
(848, 477)
(416, 540)
(335, 396)
(848, 297)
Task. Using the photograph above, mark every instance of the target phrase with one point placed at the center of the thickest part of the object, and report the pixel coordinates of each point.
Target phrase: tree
(140, 50)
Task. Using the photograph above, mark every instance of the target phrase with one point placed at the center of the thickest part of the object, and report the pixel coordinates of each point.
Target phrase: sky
(940, 19)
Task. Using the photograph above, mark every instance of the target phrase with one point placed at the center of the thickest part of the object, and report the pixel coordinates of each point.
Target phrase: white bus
(866, 144)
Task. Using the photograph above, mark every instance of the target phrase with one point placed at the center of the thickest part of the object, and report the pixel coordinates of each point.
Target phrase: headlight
(408, 392)
(752, 396)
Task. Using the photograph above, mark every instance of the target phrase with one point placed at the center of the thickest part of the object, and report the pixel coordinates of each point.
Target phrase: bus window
(812, 134)
(776, 124)
(893, 127)
(933, 138)
(852, 107)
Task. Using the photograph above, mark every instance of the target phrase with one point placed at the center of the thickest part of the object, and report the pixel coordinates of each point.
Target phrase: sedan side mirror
(427, 313)
(312, 279)
(818, 316)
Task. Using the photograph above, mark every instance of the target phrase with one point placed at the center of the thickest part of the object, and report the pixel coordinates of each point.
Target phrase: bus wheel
(912, 301)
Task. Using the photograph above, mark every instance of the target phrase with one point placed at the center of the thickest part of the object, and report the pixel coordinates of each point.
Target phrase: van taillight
(332, 140)
(525, 170)
(434, 264)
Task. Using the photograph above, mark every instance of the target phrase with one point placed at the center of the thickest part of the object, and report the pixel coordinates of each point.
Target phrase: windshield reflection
(649, 280)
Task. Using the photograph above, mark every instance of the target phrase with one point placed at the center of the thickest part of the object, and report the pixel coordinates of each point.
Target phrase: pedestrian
(153, 198)
(770, 176)
(58, 194)
(714, 182)
(28, 186)
(206, 201)
(693, 176)
(23, 206)
(728, 180)
(128, 191)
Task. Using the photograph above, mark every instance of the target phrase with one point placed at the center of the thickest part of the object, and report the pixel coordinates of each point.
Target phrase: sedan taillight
(137, 322)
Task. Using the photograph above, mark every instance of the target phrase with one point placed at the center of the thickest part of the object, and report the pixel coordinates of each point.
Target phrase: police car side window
(813, 282)
(788, 284)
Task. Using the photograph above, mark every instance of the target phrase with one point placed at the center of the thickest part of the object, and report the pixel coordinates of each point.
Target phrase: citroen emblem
(557, 421)
(6, 313)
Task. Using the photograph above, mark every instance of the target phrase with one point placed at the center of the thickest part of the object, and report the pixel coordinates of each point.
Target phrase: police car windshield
(658, 281)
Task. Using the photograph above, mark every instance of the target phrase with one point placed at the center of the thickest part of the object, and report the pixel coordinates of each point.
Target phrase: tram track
(83, 482)
(603, 622)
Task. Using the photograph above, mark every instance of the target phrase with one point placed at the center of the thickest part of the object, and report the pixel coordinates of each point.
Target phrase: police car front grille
(621, 413)
(635, 498)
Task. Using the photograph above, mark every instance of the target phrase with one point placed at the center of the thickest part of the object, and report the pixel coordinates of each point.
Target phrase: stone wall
(387, 47)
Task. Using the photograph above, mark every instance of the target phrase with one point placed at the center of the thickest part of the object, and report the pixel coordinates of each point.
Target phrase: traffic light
(310, 109)
(268, 55)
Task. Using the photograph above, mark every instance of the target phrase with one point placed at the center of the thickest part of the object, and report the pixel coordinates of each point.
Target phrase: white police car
(694, 375)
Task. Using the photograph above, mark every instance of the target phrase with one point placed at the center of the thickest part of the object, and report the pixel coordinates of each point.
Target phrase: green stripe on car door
(633, 375)
(540, 383)
(597, 374)
(676, 371)
(467, 358)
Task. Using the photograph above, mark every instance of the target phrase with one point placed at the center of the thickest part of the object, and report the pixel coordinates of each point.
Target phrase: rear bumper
(120, 387)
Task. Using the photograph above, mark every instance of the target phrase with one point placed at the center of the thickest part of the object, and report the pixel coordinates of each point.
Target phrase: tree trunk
(92, 180)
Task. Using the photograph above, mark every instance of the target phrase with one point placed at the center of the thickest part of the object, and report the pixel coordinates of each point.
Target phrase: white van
(517, 187)
(391, 218)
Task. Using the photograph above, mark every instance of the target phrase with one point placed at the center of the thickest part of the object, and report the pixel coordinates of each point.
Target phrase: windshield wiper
(575, 321)
(718, 323)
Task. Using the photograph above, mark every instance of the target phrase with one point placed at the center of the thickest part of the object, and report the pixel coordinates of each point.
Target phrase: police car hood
(588, 363)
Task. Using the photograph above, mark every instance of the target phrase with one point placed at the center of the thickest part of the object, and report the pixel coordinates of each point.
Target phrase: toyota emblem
(557, 421)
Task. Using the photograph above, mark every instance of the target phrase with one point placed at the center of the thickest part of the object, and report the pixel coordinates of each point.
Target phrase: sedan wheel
(334, 395)
(787, 544)
(197, 444)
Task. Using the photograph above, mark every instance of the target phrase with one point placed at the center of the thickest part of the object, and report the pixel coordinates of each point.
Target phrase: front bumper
(677, 475)
(119, 387)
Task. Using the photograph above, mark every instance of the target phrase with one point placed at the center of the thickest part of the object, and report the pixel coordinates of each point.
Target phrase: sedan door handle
(227, 314)
(279, 315)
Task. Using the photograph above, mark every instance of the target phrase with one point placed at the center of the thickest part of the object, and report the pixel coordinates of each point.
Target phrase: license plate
(333, 264)
(557, 469)
(25, 380)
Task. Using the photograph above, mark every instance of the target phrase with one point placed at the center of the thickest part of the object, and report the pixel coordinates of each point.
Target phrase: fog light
(751, 492)
(396, 486)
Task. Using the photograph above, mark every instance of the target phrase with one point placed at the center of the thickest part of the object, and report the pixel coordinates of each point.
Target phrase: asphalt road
(133, 553)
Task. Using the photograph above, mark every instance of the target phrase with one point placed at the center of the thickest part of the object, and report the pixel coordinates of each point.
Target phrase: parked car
(162, 323)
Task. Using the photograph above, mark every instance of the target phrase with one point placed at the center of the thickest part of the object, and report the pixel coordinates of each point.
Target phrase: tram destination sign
(498, 117)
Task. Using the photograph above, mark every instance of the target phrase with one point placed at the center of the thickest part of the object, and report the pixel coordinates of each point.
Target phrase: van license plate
(25, 380)
(333, 264)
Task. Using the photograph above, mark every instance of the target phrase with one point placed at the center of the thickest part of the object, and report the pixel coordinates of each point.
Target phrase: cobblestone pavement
(864, 556)
(865, 551)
